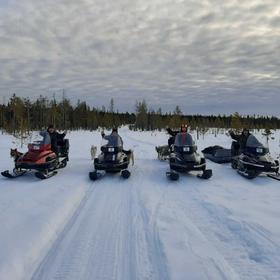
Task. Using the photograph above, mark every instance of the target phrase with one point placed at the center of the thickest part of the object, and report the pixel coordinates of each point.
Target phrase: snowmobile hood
(38, 147)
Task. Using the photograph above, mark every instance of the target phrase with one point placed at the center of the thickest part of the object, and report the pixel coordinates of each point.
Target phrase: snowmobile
(112, 159)
(254, 160)
(185, 158)
(40, 158)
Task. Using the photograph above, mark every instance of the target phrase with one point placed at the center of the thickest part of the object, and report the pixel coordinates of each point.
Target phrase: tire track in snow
(213, 264)
(156, 255)
(253, 252)
(39, 272)
(206, 264)
(107, 238)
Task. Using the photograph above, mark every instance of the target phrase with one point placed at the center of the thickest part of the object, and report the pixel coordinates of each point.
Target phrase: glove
(102, 134)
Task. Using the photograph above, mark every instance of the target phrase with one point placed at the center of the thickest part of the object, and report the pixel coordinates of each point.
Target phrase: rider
(113, 139)
(173, 133)
(241, 139)
(55, 137)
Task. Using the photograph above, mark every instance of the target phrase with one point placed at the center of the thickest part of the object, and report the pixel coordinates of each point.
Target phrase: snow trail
(146, 227)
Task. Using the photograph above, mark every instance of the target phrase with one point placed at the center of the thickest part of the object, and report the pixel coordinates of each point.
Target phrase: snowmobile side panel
(34, 166)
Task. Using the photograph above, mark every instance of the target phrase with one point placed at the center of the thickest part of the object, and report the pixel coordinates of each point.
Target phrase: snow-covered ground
(147, 227)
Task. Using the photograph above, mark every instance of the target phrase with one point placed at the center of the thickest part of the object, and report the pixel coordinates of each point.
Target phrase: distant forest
(21, 115)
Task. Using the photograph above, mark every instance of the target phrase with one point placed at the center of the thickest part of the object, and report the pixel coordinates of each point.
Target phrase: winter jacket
(113, 139)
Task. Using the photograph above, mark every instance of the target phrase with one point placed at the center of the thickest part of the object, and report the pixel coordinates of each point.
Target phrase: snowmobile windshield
(253, 142)
(253, 146)
(112, 141)
(183, 139)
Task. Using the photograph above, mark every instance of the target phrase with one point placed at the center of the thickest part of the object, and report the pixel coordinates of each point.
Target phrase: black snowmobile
(113, 159)
(254, 160)
(185, 158)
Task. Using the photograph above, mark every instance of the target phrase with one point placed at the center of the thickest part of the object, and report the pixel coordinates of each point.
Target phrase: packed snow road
(145, 227)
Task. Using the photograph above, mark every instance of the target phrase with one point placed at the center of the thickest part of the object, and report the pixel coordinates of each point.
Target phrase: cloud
(207, 56)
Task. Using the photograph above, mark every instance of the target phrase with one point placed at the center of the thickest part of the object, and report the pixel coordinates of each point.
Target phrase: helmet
(115, 129)
(184, 126)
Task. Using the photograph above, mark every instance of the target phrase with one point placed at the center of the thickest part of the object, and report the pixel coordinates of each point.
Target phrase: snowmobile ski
(13, 175)
(207, 174)
(42, 175)
(275, 177)
(125, 174)
(174, 176)
(94, 175)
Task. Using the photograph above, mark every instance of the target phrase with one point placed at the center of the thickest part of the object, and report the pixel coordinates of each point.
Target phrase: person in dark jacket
(56, 138)
(173, 133)
(241, 139)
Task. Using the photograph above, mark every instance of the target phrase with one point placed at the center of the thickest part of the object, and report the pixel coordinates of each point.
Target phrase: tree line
(21, 115)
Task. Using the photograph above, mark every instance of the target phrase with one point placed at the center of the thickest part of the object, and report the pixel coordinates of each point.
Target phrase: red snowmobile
(40, 158)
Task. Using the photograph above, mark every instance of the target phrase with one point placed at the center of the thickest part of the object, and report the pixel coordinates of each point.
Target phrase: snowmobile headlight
(111, 150)
(259, 150)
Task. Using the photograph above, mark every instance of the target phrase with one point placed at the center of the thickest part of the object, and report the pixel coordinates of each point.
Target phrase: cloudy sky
(207, 56)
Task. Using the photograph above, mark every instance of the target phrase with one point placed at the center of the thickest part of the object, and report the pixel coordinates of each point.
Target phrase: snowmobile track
(40, 271)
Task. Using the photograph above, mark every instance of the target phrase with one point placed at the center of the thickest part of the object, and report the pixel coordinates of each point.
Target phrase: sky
(207, 56)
